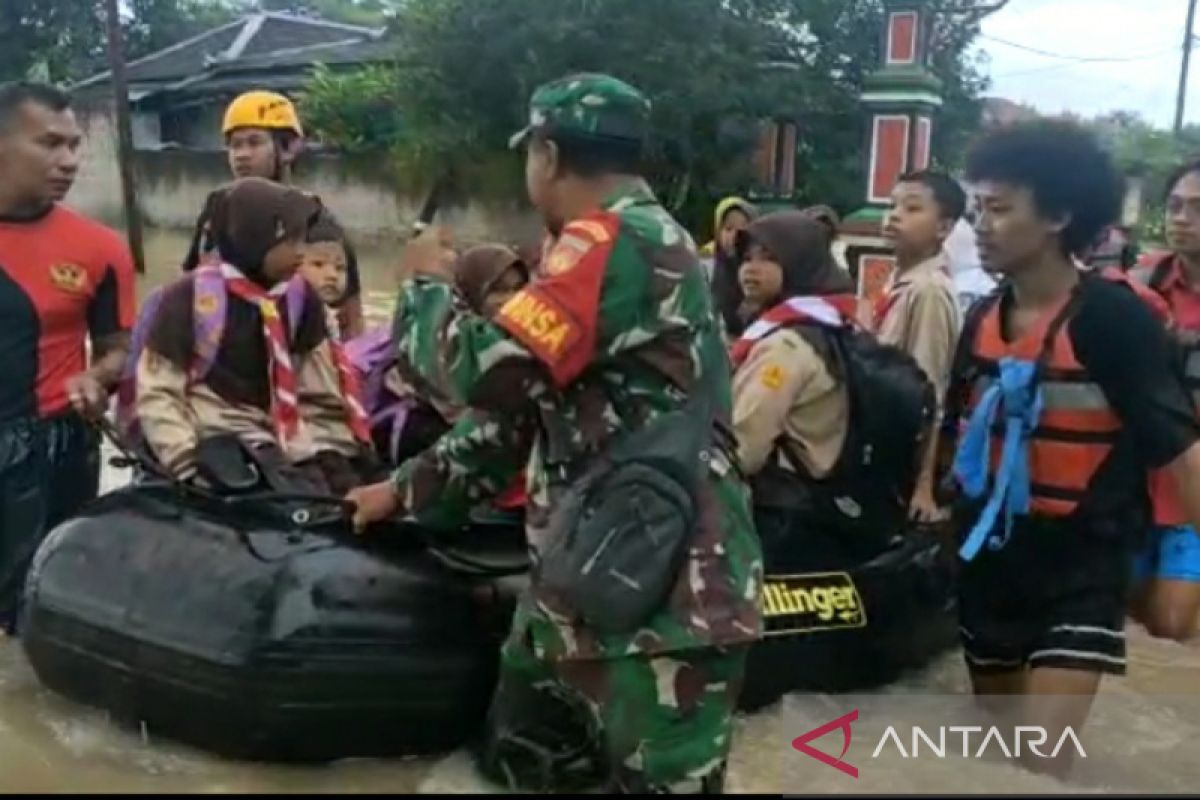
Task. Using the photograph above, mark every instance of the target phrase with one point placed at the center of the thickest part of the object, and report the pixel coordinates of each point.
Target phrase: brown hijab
(480, 267)
(252, 215)
(249, 217)
(801, 246)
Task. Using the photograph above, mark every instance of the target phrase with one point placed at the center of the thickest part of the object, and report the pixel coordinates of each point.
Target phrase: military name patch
(69, 278)
(813, 602)
(541, 326)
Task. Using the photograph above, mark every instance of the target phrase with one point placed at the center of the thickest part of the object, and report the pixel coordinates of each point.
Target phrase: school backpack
(892, 404)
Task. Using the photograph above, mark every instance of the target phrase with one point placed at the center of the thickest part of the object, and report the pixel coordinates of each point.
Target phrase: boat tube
(259, 629)
(852, 628)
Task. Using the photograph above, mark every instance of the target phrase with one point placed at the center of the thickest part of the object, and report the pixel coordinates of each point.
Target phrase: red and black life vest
(1077, 428)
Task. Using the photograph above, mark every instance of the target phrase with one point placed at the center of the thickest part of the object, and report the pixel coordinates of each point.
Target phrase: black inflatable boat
(236, 631)
(856, 629)
(253, 629)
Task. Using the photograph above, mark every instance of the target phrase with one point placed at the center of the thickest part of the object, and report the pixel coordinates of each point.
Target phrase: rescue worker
(65, 280)
(790, 410)
(240, 349)
(1062, 414)
(919, 310)
(263, 139)
(1169, 565)
(616, 350)
(731, 216)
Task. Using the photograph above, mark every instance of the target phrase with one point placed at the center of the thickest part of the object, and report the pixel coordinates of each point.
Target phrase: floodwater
(1141, 737)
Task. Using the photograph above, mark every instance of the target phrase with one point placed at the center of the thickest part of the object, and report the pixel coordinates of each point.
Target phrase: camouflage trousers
(639, 724)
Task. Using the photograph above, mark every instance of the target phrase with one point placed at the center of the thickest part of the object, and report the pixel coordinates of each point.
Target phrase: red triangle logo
(843, 723)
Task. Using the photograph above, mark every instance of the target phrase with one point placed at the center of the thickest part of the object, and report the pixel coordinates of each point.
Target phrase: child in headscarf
(731, 217)
(408, 415)
(485, 278)
(241, 349)
(790, 408)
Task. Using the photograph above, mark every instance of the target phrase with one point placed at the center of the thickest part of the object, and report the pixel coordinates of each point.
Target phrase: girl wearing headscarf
(240, 348)
(731, 217)
(407, 414)
(486, 277)
(790, 408)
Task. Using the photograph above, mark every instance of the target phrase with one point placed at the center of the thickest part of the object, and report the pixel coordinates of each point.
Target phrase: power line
(1080, 59)
(1075, 64)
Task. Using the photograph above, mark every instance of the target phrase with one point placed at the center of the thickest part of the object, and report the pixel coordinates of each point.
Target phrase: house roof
(263, 41)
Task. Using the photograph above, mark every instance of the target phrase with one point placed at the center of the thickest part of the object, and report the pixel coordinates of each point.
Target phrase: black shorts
(1041, 602)
(49, 469)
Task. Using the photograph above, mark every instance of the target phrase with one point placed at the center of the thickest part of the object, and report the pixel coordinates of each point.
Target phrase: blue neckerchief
(1022, 401)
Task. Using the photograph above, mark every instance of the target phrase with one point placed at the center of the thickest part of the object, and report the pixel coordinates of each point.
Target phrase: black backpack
(892, 404)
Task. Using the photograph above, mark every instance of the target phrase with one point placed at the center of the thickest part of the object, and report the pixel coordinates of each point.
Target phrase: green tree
(1150, 154)
(714, 69)
(151, 25)
(54, 39)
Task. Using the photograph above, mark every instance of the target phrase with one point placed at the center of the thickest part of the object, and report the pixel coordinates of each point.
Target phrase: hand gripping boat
(255, 627)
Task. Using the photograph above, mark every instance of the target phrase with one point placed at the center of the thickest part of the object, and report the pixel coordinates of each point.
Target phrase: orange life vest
(1077, 429)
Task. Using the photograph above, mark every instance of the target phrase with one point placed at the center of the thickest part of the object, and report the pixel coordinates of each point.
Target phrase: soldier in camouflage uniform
(614, 331)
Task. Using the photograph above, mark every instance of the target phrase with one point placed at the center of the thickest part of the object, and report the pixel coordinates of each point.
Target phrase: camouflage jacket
(612, 333)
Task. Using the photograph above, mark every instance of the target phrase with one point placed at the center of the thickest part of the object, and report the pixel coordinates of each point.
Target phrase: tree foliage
(64, 40)
(715, 70)
(151, 25)
(1149, 153)
(358, 110)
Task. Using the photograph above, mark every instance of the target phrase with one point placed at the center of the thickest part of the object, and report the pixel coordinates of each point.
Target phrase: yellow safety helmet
(262, 110)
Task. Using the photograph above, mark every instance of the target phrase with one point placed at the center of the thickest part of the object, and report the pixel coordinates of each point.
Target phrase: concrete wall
(172, 186)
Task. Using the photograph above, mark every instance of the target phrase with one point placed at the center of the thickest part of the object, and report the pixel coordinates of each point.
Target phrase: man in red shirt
(64, 280)
(1169, 566)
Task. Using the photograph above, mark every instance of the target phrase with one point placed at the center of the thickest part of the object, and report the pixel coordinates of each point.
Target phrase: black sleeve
(958, 389)
(353, 282)
(104, 312)
(201, 240)
(1128, 352)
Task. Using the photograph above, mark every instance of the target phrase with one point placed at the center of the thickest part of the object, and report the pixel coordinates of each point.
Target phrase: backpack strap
(210, 305)
(127, 387)
(295, 296)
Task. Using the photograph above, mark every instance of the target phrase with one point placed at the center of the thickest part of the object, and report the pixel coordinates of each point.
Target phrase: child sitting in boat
(406, 415)
(326, 267)
(240, 350)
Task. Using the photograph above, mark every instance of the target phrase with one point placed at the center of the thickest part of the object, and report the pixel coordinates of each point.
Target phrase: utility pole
(1188, 38)
(116, 61)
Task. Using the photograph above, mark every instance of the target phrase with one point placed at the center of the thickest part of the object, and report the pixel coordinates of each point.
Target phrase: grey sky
(1148, 33)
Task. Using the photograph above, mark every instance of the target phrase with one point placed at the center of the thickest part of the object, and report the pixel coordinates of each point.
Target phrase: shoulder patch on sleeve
(772, 376)
(577, 239)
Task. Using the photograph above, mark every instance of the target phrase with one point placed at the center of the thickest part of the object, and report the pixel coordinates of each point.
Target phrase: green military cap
(587, 106)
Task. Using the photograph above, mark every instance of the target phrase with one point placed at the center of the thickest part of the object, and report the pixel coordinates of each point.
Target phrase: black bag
(624, 525)
(892, 404)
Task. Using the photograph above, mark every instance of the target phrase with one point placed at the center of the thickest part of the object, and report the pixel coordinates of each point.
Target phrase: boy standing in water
(919, 313)
(1068, 392)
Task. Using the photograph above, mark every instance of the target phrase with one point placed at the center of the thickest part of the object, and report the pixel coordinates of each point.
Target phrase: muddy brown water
(1142, 735)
